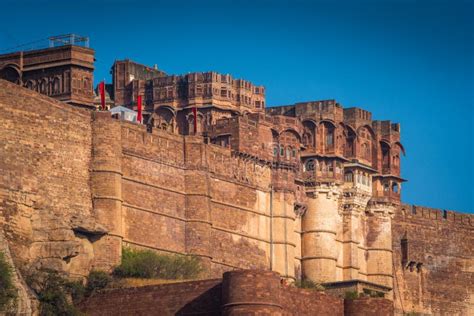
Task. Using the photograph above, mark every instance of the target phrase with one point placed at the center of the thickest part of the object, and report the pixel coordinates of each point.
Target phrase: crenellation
(438, 216)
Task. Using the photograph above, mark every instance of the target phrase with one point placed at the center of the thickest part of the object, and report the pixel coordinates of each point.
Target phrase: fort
(310, 190)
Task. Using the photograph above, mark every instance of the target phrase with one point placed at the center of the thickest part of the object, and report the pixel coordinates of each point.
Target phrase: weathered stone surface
(26, 302)
(45, 196)
(435, 273)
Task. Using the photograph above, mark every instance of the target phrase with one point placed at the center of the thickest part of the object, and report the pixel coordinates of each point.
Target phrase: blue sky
(407, 61)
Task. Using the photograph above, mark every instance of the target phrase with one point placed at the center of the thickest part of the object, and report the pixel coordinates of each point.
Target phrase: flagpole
(103, 106)
(139, 108)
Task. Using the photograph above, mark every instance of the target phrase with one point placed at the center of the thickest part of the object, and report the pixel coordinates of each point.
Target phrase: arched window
(396, 160)
(200, 124)
(395, 187)
(282, 151)
(10, 73)
(327, 138)
(330, 167)
(30, 84)
(330, 137)
(348, 176)
(275, 151)
(350, 143)
(293, 153)
(309, 133)
(307, 139)
(191, 125)
(309, 165)
(56, 86)
(165, 120)
(288, 152)
(385, 156)
(43, 87)
(386, 187)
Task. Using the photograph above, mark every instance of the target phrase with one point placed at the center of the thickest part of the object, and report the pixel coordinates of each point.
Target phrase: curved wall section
(251, 292)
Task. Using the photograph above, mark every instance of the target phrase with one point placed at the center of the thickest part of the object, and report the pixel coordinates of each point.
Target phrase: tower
(63, 71)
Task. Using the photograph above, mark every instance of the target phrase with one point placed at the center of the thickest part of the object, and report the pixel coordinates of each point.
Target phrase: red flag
(195, 119)
(139, 108)
(102, 95)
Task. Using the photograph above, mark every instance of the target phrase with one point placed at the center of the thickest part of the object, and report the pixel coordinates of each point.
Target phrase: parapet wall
(437, 216)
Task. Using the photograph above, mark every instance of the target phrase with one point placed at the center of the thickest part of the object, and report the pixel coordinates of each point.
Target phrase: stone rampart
(244, 292)
(433, 261)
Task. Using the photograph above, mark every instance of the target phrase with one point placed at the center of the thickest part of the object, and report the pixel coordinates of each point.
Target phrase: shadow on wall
(207, 303)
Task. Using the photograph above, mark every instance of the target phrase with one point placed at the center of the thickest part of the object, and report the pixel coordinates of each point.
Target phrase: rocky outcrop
(26, 302)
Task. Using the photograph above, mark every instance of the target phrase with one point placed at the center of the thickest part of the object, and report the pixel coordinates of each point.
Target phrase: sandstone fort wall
(162, 172)
(433, 270)
(76, 186)
(45, 196)
(239, 293)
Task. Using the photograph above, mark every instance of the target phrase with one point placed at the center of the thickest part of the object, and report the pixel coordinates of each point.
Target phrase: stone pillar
(251, 292)
(379, 243)
(198, 203)
(319, 230)
(282, 228)
(106, 187)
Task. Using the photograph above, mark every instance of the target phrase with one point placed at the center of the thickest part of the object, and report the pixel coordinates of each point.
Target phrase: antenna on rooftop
(68, 39)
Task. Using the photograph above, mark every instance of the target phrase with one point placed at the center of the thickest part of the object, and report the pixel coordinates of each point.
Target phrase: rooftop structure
(63, 71)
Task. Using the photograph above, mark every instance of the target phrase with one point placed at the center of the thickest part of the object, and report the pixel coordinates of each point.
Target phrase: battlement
(387, 128)
(198, 89)
(357, 117)
(214, 77)
(438, 216)
(208, 88)
(287, 110)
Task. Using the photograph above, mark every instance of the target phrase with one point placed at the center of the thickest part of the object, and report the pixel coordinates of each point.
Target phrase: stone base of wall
(243, 292)
(368, 306)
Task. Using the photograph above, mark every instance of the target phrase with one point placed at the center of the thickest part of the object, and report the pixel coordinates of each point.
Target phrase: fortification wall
(45, 197)
(239, 293)
(174, 186)
(187, 298)
(153, 189)
(77, 185)
(368, 306)
(436, 274)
